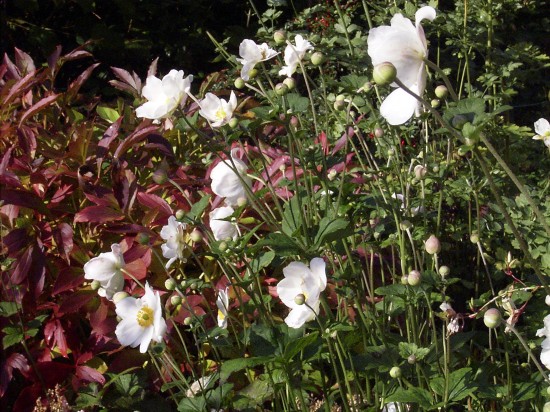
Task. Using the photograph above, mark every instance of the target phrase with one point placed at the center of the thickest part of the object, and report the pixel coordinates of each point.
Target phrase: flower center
(145, 316)
(221, 315)
(221, 113)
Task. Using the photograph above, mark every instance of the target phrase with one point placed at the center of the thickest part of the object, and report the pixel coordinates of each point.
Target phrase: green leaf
(412, 395)
(282, 244)
(262, 261)
(461, 384)
(234, 365)
(292, 220)
(330, 230)
(13, 336)
(195, 404)
(198, 208)
(408, 349)
(297, 103)
(106, 113)
(8, 308)
(295, 347)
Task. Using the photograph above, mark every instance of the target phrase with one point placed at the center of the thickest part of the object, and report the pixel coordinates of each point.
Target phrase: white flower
(223, 229)
(141, 320)
(222, 302)
(300, 290)
(252, 54)
(547, 300)
(199, 385)
(217, 111)
(542, 128)
(174, 234)
(229, 179)
(413, 210)
(403, 45)
(545, 345)
(165, 95)
(107, 270)
(294, 54)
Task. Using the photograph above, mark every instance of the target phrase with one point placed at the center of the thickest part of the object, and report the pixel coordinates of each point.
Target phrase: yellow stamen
(145, 316)
(220, 113)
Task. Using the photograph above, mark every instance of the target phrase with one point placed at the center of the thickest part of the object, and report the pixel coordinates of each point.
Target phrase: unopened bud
(547, 300)
(432, 245)
(395, 372)
(176, 300)
(239, 83)
(170, 284)
(420, 172)
(95, 285)
(317, 58)
(367, 86)
(474, 238)
(546, 407)
(187, 321)
(492, 318)
(405, 280)
(384, 73)
(222, 246)
(411, 359)
(405, 224)
(281, 89)
(234, 122)
(279, 36)
(435, 103)
(332, 174)
(252, 73)
(290, 83)
(300, 299)
(378, 132)
(458, 121)
(242, 201)
(441, 92)
(180, 214)
(339, 105)
(414, 278)
(196, 236)
(117, 297)
(444, 271)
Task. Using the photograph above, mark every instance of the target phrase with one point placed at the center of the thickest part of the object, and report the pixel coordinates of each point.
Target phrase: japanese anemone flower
(403, 45)
(164, 96)
(217, 111)
(174, 235)
(141, 320)
(107, 270)
(542, 130)
(253, 54)
(300, 290)
(229, 179)
(223, 229)
(222, 302)
(294, 54)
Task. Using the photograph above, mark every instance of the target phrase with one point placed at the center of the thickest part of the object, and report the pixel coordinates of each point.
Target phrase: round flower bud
(339, 105)
(253, 73)
(548, 390)
(444, 271)
(474, 238)
(170, 284)
(176, 300)
(187, 321)
(234, 122)
(378, 132)
(223, 246)
(95, 285)
(317, 58)
(405, 224)
(420, 172)
(280, 37)
(142, 238)
(294, 122)
(458, 121)
(405, 280)
(193, 286)
(332, 174)
(180, 214)
(384, 73)
(367, 86)
(411, 359)
(441, 92)
(492, 318)
(300, 299)
(196, 236)
(239, 83)
(160, 176)
(432, 245)
(395, 372)
(435, 103)
(414, 278)
(290, 83)
(117, 297)
(281, 89)
(546, 407)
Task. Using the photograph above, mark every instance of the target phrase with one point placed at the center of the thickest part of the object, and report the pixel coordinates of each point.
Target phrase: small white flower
(542, 128)
(107, 270)
(217, 111)
(174, 235)
(199, 385)
(413, 210)
(164, 96)
(252, 54)
(547, 300)
(223, 229)
(403, 45)
(545, 345)
(229, 179)
(222, 302)
(300, 290)
(141, 320)
(294, 55)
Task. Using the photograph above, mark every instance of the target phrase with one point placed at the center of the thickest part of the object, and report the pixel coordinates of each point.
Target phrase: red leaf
(141, 132)
(74, 87)
(155, 202)
(98, 214)
(35, 108)
(20, 87)
(75, 301)
(23, 199)
(15, 361)
(137, 268)
(22, 266)
(27, 140)
(63, 236)
(55, 336)
(15, 241)
(89, 374)
(67, 279)
(24, 62)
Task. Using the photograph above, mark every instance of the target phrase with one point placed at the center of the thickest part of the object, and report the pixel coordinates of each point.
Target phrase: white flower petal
(542, 127)
(298, 316)
(288, 289)
(318, 269)
(424, 13)
(222, 229)
(398, 107)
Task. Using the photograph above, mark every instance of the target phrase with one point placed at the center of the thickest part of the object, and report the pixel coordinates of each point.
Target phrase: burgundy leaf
(46, 101)
(98, 214)
(19, 87)
(11, 69)
(123, 86)
(156, 141)
(60, 194)
(63, 236)
(54, 58)
(75, 301)
(23, 199)
(24, 62)
(55, 336)
(127, 78)
(27, 140)
(141, 132)
(15, 361)
(67, 279)
(137, 268)
(155, 202)
(22, 266)
(75, 86)
(15, 241)
(89, 374)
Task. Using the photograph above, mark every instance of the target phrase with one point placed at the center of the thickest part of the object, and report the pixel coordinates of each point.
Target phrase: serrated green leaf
(297, 103)
(198, 208)
(8, 308)
(330, 230)
(461, 384)
(412, 395)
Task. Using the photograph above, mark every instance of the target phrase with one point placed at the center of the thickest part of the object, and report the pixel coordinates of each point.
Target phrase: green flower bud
(546, 407)
(253, 73)
(474, 238)
(300, 299)
(234, 122)
(242, 201)
(187, 321)
(414, 278)
(317, 58)
(405, 280)
(411, 359)
(158, 349)
(367, 86)
(95, 285)
(176, 300)
(492, 318)
(223, 246)
(117, 297)
(180, 214)
(444, 271)
(420, 172)
(395, 372)
(441, 92)
(196, 236)
(281, 89)
(339, 105)
(280, 37)
(435, 103)
(384, 73)
(290, 83)
(170, 284)
(239, 83)
(378, 132)
(432, 245)
(458, 121)
(405, 224)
